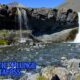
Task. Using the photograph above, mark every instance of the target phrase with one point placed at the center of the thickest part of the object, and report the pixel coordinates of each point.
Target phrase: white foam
(77, 39)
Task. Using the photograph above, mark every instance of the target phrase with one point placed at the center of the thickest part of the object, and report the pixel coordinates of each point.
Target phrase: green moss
(40, 78)
(78, 77)
(2, 77)
(3, 42)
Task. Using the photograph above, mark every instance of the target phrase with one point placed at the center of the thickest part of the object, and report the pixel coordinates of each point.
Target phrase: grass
(78, 77)
(2, 77)
(3, 42)
(40, 78)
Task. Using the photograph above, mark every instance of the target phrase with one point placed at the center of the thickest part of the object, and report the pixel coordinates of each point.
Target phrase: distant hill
(73, 4)
(15, 4)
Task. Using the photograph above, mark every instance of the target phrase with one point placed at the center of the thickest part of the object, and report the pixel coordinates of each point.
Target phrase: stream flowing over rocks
(49, 55)
(48, 34)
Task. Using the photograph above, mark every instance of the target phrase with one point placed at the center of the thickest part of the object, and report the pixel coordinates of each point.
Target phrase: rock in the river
(50, 72)
(63, 36)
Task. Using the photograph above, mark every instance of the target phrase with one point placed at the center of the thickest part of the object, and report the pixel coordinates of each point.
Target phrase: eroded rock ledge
(46, 25)
(40, 20)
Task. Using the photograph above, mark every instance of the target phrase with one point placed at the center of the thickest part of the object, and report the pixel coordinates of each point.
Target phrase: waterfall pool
(49, 54)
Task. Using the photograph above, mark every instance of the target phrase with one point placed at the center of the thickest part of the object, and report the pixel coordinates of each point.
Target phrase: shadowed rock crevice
(55, 78)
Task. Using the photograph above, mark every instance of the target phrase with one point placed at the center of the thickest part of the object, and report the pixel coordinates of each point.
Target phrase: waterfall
(22, 18)
(77, 39)
(20, 21)
(25, 19)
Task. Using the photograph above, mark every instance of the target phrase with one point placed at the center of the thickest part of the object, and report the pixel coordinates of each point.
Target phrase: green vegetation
(78, 77)
(2, 77)
(10, 36)
(3, 42)
(40, 78)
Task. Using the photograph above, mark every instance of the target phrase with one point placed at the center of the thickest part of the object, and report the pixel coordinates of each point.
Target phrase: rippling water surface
(51, 54)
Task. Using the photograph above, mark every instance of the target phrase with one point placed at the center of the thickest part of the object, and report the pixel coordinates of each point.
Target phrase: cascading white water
(20, 21)
(25, 19)
(20, 18)
(77, 39)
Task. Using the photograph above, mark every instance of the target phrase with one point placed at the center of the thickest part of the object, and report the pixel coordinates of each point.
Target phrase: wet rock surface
(47, 21)
(40, 20)
(62, 36)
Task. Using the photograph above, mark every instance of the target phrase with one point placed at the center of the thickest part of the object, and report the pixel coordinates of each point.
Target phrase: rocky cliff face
(51, 20)
(40, 20)
(62, 36)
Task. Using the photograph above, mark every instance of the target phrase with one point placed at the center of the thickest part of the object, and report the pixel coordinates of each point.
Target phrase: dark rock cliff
(40, 20)
(51, 20)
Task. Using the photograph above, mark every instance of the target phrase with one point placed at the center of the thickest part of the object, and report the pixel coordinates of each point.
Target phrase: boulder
(48, 73)
(62, 36)
(51, 72)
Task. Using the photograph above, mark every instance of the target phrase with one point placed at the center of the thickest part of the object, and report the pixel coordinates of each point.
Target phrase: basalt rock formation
(40, 20)
(51, 20)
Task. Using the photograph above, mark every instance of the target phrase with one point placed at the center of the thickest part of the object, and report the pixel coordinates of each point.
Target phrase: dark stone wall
(7, 18)
(40, 20)
(51, 20)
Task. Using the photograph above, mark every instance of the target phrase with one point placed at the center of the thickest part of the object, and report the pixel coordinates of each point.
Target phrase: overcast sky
(36, 3)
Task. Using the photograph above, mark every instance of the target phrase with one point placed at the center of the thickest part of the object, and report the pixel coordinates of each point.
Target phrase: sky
(36, 3)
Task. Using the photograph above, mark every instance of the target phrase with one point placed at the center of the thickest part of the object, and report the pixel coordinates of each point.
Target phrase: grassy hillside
(73, 4)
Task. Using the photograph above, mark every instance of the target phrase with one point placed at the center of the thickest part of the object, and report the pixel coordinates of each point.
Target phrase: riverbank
(49, 55)
(11, 37)
(69, 71)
